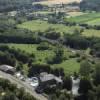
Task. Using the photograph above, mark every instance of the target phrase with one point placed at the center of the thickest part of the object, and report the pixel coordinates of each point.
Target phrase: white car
(18, 74)
(34, 82)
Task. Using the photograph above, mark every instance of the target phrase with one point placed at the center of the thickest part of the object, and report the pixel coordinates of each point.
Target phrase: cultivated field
(90, 18)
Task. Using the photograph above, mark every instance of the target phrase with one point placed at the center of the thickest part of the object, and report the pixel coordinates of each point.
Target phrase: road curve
(20, 84)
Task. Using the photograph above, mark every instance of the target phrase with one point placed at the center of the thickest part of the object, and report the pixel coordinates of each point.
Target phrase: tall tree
(97, 74)
(85, 68)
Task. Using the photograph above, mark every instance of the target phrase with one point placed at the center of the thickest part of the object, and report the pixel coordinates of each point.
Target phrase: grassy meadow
(70, 65)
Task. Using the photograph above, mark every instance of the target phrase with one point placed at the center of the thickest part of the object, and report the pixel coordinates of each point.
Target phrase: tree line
(92, 5)
(11, 5)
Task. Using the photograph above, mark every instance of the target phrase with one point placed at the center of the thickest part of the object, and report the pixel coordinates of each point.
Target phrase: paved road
(20, 84)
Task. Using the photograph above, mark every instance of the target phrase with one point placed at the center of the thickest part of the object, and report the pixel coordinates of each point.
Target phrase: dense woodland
(90, 5)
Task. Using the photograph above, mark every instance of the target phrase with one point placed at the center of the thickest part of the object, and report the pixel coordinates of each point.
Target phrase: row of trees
(80, 42)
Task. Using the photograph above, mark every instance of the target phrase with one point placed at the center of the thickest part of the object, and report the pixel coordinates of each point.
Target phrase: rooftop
(46, 77)
(6, 67)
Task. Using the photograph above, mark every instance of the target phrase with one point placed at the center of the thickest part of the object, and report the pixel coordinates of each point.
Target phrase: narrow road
(20, 84)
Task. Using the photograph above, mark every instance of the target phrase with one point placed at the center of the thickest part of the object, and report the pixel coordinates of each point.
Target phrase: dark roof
(47, 77)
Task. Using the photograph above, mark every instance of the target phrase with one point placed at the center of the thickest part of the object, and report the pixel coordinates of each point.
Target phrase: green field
(32, 48)
(69, 66)
(38, 25)
(94, 22)
(91, 33)
(90, 18)
(40, 55)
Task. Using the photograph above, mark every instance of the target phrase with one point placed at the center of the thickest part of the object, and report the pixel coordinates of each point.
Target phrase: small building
(7, 69)
(49, 80)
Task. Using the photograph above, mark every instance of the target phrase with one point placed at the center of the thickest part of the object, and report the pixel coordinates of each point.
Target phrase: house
(49, 80)
(7, 69)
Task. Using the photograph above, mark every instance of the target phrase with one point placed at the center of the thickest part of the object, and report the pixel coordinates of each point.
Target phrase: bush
(53, 35)
(79, 60)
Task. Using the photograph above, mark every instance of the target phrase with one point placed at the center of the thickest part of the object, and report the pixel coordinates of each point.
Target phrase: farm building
(7, 69)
